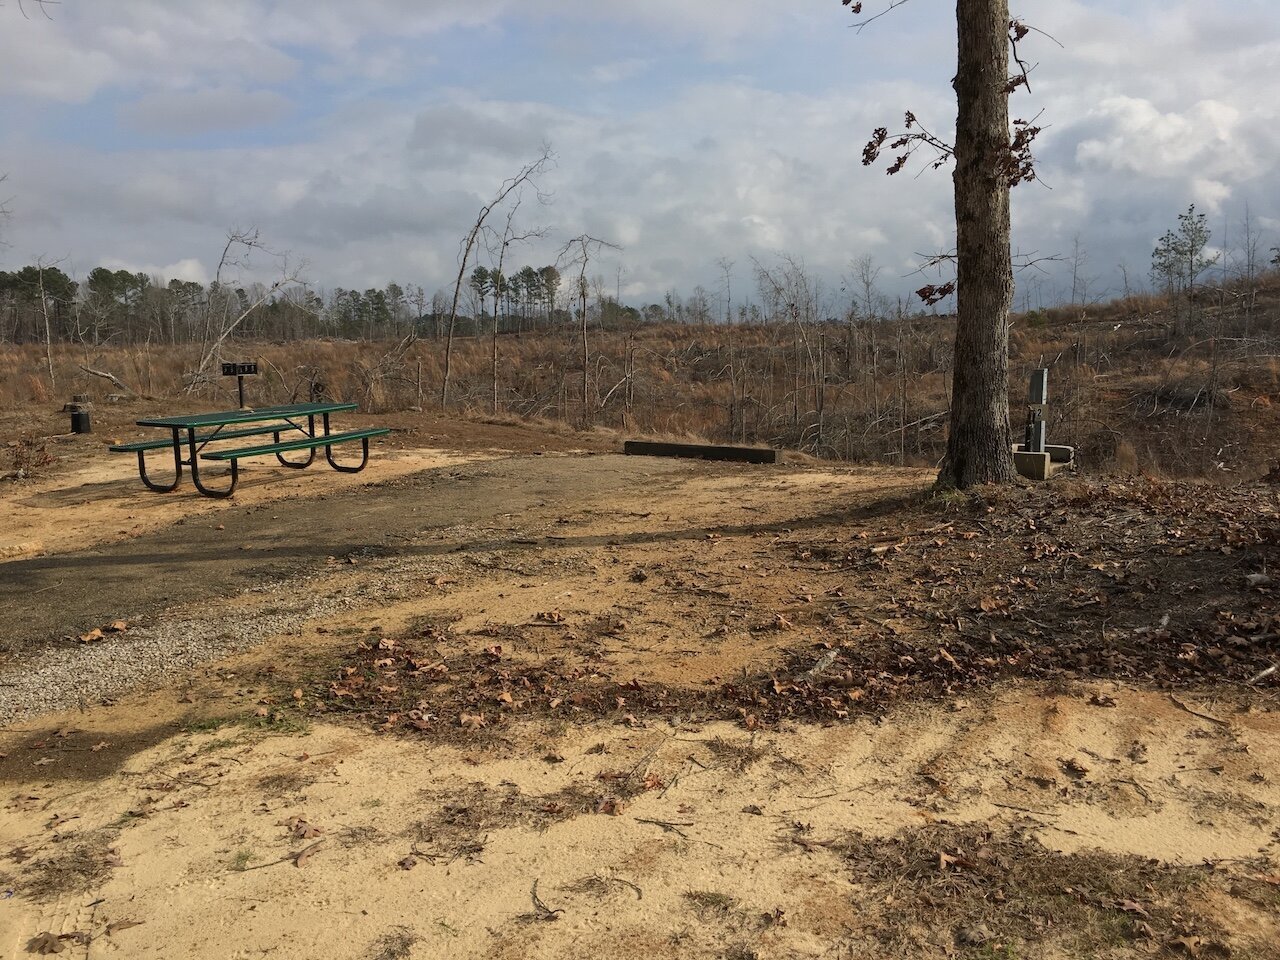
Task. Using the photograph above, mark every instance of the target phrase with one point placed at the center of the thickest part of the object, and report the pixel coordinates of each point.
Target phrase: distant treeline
(40, 303)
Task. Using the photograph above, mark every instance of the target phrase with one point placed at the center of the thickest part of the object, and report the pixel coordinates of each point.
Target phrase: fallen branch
(543, 912)
(113, 378)
(297, 858)
(1197, 713)
(1264, 674)
(824, 661)
(668, 826)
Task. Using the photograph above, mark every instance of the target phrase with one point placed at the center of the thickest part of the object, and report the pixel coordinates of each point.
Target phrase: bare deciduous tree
(527, 174)
(577, 253)
(48, 329)
(236, 254)
(508, 237)
(989, 160)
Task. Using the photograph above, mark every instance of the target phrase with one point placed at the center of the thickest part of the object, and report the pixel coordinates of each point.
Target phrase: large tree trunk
(979, 446)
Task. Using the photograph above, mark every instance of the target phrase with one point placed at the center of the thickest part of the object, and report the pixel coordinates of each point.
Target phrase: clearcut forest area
(514, 691)
(510, 693)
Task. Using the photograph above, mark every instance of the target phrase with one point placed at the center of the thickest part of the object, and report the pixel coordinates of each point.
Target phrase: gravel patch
(143, 657)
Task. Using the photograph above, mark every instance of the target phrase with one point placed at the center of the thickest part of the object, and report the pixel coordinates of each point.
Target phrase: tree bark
(48, 330)
(979, 445)
(586, 348)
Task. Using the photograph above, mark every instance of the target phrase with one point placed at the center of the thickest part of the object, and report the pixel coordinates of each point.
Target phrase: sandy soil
(194, 840)
(230, 807)
(103, 501)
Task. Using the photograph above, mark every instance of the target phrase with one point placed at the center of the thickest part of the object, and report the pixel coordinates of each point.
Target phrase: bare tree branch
(42, 5)
(857, 8)
(527, 174)
(577, 252)
(236, 255)
(500, 281)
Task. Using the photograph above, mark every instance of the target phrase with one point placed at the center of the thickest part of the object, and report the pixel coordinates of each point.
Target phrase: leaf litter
(1144, 582)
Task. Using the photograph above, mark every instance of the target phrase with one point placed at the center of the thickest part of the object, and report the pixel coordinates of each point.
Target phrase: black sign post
(1037, 397)
(240, 371)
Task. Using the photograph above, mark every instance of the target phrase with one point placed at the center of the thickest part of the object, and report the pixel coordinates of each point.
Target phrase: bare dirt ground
(535, 703)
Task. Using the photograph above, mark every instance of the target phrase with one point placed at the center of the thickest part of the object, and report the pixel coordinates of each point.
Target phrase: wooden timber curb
(704, 451)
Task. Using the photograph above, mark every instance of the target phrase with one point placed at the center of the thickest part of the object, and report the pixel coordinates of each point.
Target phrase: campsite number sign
(240, 371)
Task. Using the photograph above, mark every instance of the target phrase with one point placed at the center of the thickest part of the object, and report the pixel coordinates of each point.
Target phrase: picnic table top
(223, 417)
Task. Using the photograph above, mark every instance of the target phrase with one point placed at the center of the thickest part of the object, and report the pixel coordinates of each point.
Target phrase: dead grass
(710, 903)
(396, 944)
(736, 755)
(465, 817)
(288, 781)
(74, 865)
(1119, 370)
(28, 455)
(942, 889)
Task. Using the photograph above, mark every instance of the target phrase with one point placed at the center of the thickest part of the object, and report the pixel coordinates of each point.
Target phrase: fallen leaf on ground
(45, 943)
(1073, 767)
(122, 925)
(301, 829)
(303, 855)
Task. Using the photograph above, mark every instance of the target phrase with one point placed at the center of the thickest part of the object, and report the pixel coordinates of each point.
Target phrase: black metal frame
(328, 452)
(311, 432)
(177, 467)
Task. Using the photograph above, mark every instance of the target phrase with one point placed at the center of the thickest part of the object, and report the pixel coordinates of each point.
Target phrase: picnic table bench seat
(306, 443)
(326, 440)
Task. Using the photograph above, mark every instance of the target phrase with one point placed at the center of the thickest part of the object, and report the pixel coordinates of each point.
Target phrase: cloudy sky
(363, 137)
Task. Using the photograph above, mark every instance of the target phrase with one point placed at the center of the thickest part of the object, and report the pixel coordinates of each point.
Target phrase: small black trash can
(81, 422)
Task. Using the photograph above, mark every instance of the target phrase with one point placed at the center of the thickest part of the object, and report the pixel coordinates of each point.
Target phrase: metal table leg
(177, 468)
(195, 470)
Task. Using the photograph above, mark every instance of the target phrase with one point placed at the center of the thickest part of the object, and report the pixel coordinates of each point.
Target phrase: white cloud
(1209, 195)
(1136, 137)
(1150, 106)
(203, 111)
(619, 70)
(190, 269)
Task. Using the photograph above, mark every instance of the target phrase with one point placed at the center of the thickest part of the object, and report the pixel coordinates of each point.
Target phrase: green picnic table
(191, 433)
